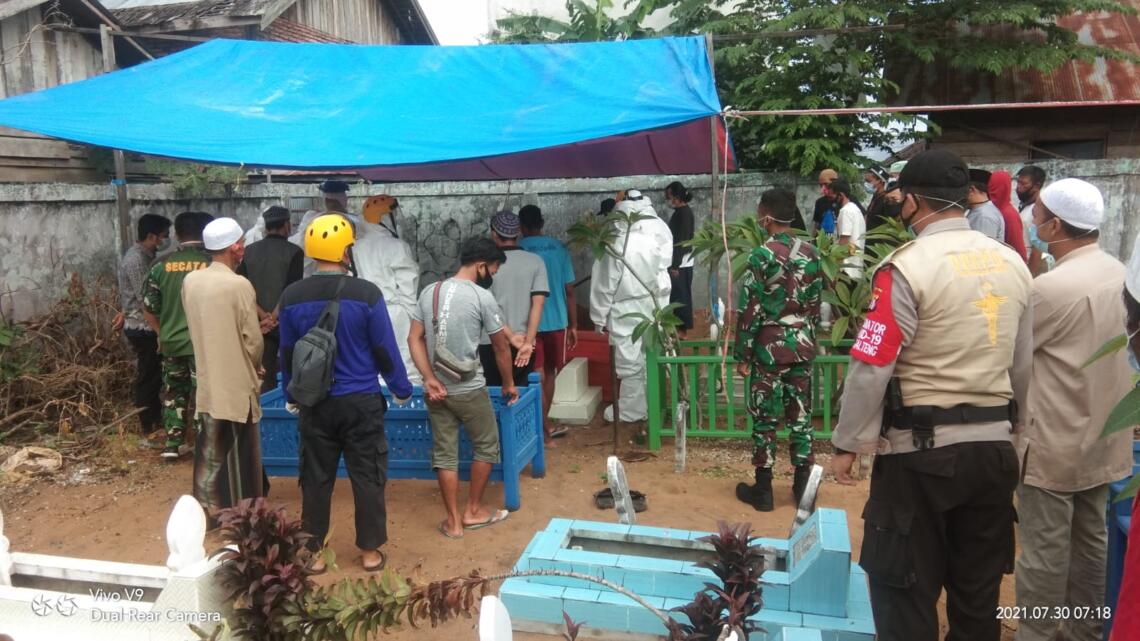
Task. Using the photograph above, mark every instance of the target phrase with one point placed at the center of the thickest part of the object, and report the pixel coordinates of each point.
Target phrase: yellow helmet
(328, 236)
(377, 207)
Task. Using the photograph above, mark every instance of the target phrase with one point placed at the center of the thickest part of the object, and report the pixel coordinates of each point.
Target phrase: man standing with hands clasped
(938, 372)
(221, 313)
(446, 326)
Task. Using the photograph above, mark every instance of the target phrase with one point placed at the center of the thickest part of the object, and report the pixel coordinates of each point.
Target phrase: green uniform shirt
(162, 296)
(780, 304)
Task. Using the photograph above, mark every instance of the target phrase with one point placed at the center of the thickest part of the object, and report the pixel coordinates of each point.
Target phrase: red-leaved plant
(738, 564)
(265, 569)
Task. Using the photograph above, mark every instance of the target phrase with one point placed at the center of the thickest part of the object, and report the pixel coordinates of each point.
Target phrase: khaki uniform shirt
(1076, 309)
(221, 310)
(860, 419)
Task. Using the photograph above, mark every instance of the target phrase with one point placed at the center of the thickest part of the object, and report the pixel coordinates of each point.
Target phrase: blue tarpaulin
(328, 106)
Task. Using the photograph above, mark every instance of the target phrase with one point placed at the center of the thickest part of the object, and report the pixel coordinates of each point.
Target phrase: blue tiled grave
(809, 580)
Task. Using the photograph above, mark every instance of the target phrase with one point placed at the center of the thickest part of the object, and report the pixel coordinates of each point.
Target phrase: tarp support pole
(121, 201)
(714, 174)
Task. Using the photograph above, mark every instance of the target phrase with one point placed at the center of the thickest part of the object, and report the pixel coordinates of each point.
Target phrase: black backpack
(314, 355)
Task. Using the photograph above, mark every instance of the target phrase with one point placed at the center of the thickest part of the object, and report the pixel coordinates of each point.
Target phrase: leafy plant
(274, 598)
(265, 570)
(738, 564)
(192, 180)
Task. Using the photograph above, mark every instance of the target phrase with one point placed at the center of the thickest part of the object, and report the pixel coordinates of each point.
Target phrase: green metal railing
(720, 410)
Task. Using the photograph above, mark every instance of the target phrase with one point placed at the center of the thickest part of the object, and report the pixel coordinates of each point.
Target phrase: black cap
(979, 176)
(275, 214)
(935, 168)
(334, 187)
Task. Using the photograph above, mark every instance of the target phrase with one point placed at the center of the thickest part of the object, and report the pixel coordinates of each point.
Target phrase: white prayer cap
(1132, 276)
(221, 233)
(633, 194)
(1075, 202)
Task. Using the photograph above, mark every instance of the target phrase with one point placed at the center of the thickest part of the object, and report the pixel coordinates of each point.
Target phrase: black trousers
(354, 425)
(941, 518)
(148, 378)
(491, 368)
(270, 360)
(682, 292)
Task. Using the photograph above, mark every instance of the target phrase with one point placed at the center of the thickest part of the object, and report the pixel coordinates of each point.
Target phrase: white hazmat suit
(616, 292)
(387, 262)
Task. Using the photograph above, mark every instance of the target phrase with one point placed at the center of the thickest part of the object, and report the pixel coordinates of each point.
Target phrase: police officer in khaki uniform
(940, 367)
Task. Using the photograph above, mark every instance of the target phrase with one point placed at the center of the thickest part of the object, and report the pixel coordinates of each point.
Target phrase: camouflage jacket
(780, 304)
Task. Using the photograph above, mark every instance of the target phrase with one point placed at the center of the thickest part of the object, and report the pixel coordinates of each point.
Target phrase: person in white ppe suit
(257, 232)
(387, 262)
(615, 293)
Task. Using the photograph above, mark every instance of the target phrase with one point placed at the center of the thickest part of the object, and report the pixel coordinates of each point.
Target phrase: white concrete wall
(48, 231)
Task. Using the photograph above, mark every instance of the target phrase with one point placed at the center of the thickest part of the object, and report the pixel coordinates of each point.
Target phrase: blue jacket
(366, 344)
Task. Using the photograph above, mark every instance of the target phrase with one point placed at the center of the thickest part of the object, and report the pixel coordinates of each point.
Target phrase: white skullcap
(1132, 276)
(1075, 202)
(221, 233)
(633, 194)
(897, 167)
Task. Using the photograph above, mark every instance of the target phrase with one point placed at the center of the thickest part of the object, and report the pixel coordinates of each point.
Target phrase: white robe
(388, 263)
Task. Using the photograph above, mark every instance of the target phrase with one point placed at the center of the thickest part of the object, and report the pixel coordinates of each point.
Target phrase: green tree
(811, 54)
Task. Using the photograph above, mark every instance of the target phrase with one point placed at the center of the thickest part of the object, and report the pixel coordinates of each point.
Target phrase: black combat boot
(759, 496)
(799, 484)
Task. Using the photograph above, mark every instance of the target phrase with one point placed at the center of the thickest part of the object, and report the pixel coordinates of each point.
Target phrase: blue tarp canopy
(329, 106)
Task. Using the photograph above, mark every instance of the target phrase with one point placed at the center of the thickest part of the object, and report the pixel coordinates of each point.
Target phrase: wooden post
(714, 175)
(122, 202)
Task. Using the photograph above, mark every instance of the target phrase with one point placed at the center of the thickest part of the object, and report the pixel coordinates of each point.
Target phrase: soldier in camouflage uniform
(162, 307)
(775, 344)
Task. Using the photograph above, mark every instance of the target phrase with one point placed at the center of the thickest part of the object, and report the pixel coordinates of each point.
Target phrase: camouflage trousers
(781, 394)
(178, 388)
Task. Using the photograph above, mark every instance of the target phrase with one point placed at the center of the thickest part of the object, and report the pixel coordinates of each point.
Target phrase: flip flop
(443, 530)
(379, 566)
(498, 517)
(559, 432)
(604, 499)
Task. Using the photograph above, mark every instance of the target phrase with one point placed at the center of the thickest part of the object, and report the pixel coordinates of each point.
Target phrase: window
(1073, 149)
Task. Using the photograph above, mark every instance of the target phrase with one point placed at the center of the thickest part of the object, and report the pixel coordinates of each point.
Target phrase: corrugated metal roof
(936, 83)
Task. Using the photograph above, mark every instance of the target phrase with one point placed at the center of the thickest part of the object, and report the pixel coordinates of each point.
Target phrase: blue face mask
(1035, 240)
(869, 188)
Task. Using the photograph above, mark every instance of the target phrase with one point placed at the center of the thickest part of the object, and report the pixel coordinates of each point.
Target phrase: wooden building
(35, 55)
(1018, 135)
(44, 43)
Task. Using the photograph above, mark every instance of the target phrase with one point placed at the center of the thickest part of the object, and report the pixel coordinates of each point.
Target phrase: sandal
(604, 500)
(442, 527)
(498, 517)
(379, 566)
(559, 432)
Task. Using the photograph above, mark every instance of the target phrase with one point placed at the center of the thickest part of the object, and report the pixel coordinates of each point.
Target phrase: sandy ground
(123, 519)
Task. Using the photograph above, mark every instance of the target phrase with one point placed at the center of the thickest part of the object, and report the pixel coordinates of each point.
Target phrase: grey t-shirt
(986, 218)
(466, 312)
(523, 275)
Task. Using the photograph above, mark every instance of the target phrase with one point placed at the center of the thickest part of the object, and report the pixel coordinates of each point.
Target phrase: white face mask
(910, 225)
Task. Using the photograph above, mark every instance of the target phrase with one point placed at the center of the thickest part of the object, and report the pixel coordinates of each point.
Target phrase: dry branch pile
(65, 377)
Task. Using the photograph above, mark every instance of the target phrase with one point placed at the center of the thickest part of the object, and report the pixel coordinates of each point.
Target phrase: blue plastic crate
(409, 439)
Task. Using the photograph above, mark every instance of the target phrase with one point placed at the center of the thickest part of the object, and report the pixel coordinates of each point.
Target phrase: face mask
(164, 245)
(484, 279)
(1135, 364)
(911, 223)
(1022, 197)
(1035, 240)
(869, 188)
